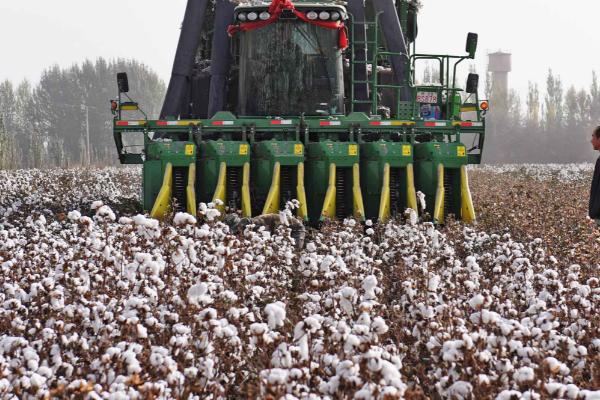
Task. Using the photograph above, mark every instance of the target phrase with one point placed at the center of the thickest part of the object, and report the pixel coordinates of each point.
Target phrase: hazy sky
(539, 33)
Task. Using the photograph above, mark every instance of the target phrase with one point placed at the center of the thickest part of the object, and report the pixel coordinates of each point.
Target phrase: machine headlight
(312, 15)
(264, 15)
(252, 16)
(242, 16)
(324, 15)
(335, 16)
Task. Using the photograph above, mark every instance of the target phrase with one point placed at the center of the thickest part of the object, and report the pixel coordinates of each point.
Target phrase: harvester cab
(312, 101)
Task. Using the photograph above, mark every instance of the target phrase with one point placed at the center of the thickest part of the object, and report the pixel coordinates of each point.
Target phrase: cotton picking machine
(314, 101)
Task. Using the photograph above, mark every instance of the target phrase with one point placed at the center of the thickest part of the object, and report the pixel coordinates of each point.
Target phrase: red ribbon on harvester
(277, 7)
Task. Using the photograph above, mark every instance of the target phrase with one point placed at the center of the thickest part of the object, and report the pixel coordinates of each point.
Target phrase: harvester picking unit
(314, 101)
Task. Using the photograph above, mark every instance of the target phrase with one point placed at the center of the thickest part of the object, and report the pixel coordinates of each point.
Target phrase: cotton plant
(100, 301)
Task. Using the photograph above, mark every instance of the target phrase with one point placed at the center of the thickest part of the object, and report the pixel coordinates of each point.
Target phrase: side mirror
(472, 83)
(472, 44)
(122, 82)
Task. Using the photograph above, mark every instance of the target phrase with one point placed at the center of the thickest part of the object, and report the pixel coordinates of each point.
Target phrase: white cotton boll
(379, 326)
(175, 378)
(212, 213)
(460, 390)
(184, 219)
(483, 379)
(74, 215)
(32, 364)
(87, 222)
(470, 285)
(451, 350)
(369, 285)
(142, 332)
(555, 389)
(573, 391)
(133, 365)
(190, 372)
(412, 216)
(37, 381)
(392, 375)
(509, 395)
(258, 328)
(434, 283)
(555, 366)
(311, 247)
(351, 222)
(370, 231)
(489, 317)
(421, 200)
(346, 300)
(524, 374)
(476, 301)
(275, 376)
(229, 296)
(125, 221)
(96, 205)
(352, 342)
(106, 213)
(197, 294)
(45, 372)
(275, 314)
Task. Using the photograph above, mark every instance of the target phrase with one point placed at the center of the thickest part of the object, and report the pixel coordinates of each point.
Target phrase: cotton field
(99, 301)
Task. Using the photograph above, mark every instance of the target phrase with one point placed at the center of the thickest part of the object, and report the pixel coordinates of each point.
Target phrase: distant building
(500, 64)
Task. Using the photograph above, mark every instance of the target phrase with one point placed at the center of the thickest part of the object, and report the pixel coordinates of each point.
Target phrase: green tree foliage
(555, 125)
(6, 147)
(48, 121)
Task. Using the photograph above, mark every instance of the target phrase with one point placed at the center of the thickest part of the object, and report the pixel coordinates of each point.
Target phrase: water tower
(500, 65)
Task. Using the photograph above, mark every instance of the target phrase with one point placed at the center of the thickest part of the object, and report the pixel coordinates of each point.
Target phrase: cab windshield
(290, 68)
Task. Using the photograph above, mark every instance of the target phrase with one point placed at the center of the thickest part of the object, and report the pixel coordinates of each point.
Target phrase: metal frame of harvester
(367, 158)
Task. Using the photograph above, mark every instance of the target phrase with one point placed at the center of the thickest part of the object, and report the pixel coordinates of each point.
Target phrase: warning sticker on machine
(243, 149)
(189, 149)
(298, 149)
(352, 149)
(406, 150)
(461, 151)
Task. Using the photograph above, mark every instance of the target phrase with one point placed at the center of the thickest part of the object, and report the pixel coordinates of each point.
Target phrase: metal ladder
(372, 47)
(369, 47)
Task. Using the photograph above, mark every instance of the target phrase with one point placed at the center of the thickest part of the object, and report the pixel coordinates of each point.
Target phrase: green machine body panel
(158, 155)
(319, 156)
(373, 158)
(211, 154)
(264, 157)
(428, 156)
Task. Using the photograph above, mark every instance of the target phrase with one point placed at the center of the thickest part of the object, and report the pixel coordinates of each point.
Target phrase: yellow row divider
(273, 198)
(358, 207)
(301, 193)
(411, 192)
(163, 200)
(246, 204)
(329, 203)
(191, 190)
(467, 210)
(221, 190)
(384, 202)
(438, 210)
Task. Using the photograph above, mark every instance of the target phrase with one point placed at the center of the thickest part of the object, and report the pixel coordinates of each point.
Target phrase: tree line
(46, 125)
(551, 125)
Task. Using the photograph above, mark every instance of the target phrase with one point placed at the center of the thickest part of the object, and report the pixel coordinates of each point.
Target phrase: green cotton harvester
(313, 101)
